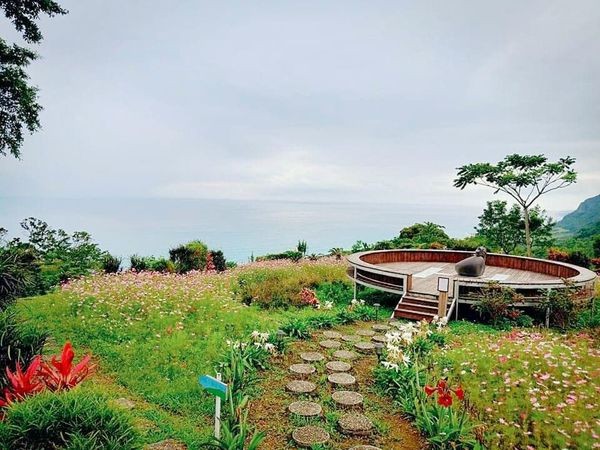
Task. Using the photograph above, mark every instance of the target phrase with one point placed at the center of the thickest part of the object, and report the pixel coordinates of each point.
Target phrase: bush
(71, 419)
(144, 263)
(110, 263)
(138, 263)
(19, 272)
(338, 292)
(190, 256)
(589, 317)
(282, 287)
(564, 305)
(219, 260)
(19, 343)
(496, 304)
(292, 255)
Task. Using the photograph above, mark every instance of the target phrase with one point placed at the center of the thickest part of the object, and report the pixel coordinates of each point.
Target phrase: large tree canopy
(524, 177)
(19, 109)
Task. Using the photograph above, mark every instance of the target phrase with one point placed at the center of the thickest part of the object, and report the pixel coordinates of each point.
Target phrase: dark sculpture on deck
(473, 266)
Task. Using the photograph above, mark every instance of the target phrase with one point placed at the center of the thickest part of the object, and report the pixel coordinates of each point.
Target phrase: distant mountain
(587, 215)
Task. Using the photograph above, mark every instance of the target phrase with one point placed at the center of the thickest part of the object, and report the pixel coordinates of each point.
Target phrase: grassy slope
(152, 335)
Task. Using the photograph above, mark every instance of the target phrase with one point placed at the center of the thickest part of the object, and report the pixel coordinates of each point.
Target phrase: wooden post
(408, 282)
(442, 304)
(354, 298)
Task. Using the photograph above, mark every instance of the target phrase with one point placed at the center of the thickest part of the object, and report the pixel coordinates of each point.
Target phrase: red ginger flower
(61, 374)
(444, 393)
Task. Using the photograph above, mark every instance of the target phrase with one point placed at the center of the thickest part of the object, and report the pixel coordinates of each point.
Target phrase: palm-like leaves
(62, 374)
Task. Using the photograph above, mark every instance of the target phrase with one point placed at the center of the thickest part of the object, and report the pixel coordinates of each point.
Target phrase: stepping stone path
(302, 369)
(330, 344)
(312, 356)
(301, 387)
(379, 338)
(364, 447)
(345, 354)
(310, 435)
(305, 409)
(347, 398)
(365, 347)
(341, 379)
(366, 333)
(338, 366)
(355, 424)
(379, 327)
(332, 334)
(351, 338)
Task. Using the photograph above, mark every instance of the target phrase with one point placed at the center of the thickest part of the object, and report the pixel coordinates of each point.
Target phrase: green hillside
(587, 215)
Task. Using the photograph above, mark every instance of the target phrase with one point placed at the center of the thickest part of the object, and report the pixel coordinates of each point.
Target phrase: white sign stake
(218, 413)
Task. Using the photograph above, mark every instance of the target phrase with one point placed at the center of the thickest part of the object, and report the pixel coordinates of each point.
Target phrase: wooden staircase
(417, 306)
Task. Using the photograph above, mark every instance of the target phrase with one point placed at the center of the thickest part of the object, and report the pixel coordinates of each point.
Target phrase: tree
(19, 109)
(425, 233)
(503, 228)
(524, 177)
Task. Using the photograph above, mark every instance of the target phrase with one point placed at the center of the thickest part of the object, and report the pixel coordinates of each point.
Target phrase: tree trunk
(527, 230)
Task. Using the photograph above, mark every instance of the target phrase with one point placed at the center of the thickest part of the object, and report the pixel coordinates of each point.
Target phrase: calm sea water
(239, 228)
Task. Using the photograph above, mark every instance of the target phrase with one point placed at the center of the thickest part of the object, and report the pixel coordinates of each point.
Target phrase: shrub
(219, 260)
(563, 304)
(589, 317)
(190, 256)
(110, 263)
(556, 254)
(19, 272)
(338, 292)
(282, 287)
(292, 255)
(161, 265)
(496, 303)
(579, 259)
(138, 263)
(70, 419)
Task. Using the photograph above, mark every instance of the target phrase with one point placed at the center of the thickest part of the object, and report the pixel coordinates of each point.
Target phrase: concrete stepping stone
(365, 347)
(347, 398)
(355, 424)
(338, 366)
(302, 369)
(329, 343)
(345, 354)
(380, 338)
(305, 409)
(366, 333)
(351, 338)
(310, 436)
(301, 387)
(380, 327)
(312, 356)
(167, 444)
(332, 334)
(341, 379)
(365, 447)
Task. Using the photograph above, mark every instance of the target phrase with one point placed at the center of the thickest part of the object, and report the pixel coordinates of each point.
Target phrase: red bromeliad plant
(56, 375)
(444, 393)
(308, 297)
(23, 384)
(61, 374)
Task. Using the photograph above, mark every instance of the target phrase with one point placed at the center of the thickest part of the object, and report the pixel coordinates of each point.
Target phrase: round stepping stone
(330, 344)
(302, 369)
(341, 379)
(351, 338)
(380, 327)
(305, 409)
(332, 334)
(338, 366)
(345, 354)
(364, 447)
(347, 398)
(312, 356)
(301, 387)
(367, 333)
(379, 338)
(310, 436)
(365, 347)
(355, 424)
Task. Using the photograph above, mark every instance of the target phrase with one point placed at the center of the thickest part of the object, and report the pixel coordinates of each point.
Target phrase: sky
(309, 101)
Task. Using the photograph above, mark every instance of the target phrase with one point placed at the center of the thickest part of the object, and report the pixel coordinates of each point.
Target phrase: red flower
(444, 393)
(61, 374)
(23, 384)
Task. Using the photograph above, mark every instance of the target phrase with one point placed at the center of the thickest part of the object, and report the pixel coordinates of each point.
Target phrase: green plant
(59, 420)
(562, 304)
(497, 303)
(302, 247)
(138, 263)
(338, 252)
(190, 256)
(297, 328)
(219, 260)
(110, 263)
(19, 272)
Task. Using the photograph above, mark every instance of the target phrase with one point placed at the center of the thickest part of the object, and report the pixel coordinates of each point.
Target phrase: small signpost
(219, 389)
(443, 286)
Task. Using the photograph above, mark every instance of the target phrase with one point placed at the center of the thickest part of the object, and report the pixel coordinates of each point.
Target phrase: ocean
(238, 228)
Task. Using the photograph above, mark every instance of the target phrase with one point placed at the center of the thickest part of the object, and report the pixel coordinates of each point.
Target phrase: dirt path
(373, 422)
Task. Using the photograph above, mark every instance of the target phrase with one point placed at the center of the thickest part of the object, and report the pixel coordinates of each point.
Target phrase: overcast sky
(344, 101)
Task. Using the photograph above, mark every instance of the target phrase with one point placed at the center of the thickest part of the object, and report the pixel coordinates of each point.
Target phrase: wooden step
(400, 313)
(416, 307)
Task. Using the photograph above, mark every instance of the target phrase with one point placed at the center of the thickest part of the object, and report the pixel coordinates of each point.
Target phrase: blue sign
(214, 386)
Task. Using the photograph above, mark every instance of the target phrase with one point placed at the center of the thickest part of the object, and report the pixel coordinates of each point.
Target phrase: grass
(153, 334)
